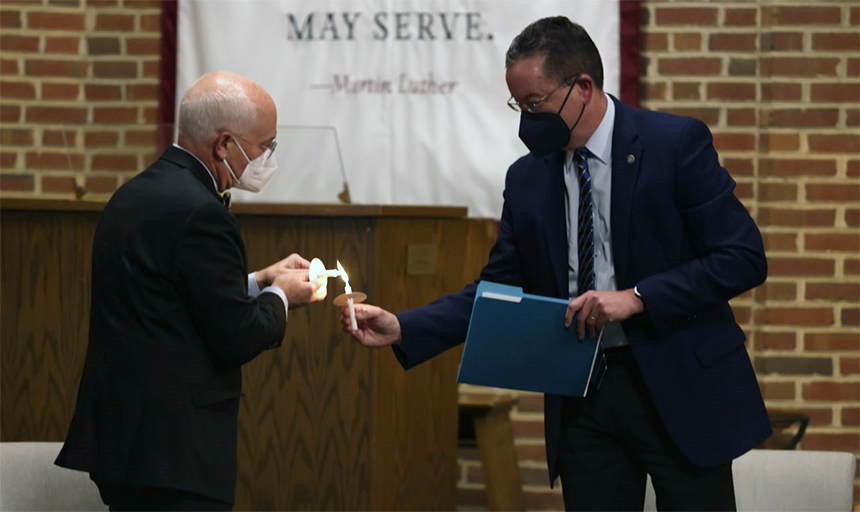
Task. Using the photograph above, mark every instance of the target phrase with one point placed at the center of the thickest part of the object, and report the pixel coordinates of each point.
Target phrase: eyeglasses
(531, 106)
(270, 147)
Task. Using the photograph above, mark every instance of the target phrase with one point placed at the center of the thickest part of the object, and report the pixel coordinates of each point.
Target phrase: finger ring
(592, 317)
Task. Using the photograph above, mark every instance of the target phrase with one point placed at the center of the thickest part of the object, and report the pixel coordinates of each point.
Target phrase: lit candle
(350, 303)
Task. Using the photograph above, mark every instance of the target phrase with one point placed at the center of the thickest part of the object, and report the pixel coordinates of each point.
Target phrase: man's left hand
(594, 309)
(292, 262)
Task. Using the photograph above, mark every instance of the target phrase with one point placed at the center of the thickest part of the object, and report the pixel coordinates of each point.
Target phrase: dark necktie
(225, 199)
(585, 278)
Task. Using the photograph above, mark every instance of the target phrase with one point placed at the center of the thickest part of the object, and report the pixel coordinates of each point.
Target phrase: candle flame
(342, 272)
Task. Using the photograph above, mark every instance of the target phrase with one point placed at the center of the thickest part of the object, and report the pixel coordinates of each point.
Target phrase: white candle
(350, 303)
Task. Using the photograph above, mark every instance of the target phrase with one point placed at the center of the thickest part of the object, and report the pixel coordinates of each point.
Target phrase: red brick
(687, 66)
(799, 66)
(777, 192)
(848, 42)
(18, 90)
(56, 21)
(739, 166)
(795, 316)
(696, 16)
(853, 67)
(58, 68)
(855, 15)
(114, 163)
(16, 183)
(776, 142)
(852, 267)
(16, 137)
(709, 116)
(102, 4)
(10, 113)
(150, 115)
(114, 114)
(10, 19)
(794, 217)
(115, 69)
(59, 161)
(834, 143)
(141, 138)
(687, 41)
(771, 291)
(8, 67)
(744, 191)
(100, 185)
(777, 390)
(851, 316)
(773, 15)
(101, 139)
(732, 42)
(143, 46)
(59, 115)
(97, 92)
(734, 141)
(530, 403)
(831, 341)
(141, 91)
(150, 23)
(816, 192)
(528, 428)
(52, 91)
(143, 4)
(853, 168)
(740, 17)
(782, 41)
(103, 45)
(776, 340)
(731, 91)
(61, 138)
(743, 67)
(58, 185)
(780, 241)
(785, 266)
(14, 43)
(836, 93)
(114, 23)
(68, 45)
(741, 117)
(788, 167)
(800, 118)
(852, 117)
(844, 242)
(849, 366)
(852, 217)
(833, 291)
(64, 3)
(655, 41)
(831, 391)
(151, 69)
(851, 415)
(686, 91)
(834, 442)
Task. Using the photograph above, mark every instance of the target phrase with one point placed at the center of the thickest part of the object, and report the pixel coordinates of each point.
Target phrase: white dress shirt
(600, 168)
(253, 287)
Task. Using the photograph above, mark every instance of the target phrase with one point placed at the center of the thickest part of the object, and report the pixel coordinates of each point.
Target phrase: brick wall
(78, 94)
(778, 82)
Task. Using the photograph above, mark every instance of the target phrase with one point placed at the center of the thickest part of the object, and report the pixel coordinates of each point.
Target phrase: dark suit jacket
(681, 235)
(171, 324)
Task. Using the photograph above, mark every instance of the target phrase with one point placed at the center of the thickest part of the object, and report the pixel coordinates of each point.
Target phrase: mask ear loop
(582, 110)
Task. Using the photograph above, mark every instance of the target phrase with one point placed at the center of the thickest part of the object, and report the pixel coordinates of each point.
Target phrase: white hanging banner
(402, 99)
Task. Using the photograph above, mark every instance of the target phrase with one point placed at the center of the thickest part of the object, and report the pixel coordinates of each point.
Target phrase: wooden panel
(45, 316)
(305, 419)
(416, 410)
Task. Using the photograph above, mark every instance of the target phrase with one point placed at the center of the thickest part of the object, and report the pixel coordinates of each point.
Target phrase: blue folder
(519, 341)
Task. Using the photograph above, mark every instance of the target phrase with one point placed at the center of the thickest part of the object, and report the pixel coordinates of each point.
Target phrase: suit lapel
(183, 159)
(626, 158)
(554, 221)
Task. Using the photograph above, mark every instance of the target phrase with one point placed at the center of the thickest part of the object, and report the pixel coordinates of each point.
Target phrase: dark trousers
(613, 438)
(125, 497)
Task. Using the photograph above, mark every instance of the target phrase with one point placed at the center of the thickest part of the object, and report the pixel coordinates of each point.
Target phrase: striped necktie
(585, 278)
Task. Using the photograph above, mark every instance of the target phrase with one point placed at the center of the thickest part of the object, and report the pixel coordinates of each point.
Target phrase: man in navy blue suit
(628, 213)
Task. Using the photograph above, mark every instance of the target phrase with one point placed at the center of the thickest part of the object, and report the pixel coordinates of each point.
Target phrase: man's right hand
(298, 289)
(376, 326)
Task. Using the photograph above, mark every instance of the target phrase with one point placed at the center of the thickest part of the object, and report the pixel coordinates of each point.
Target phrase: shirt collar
(600, 142)
(201, 163)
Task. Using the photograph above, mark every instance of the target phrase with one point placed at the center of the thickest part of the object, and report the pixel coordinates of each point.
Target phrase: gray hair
(206, 111)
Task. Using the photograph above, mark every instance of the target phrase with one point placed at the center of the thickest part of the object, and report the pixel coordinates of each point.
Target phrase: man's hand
(298, 289)
(595, 309)
(376, 326)
(268, 275)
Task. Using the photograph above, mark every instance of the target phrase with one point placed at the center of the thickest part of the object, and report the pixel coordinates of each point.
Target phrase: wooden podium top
(279, 209)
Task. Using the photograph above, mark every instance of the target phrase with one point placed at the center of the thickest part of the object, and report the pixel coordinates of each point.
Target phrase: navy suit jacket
(680, 235)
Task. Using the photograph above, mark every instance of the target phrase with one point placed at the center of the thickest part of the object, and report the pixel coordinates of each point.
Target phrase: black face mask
(545, 132)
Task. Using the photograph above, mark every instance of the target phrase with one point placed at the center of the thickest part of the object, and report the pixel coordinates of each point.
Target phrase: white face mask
(257, 174)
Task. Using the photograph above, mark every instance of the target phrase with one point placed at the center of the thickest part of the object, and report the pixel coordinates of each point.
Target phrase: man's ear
(221, 142)
(586, 88)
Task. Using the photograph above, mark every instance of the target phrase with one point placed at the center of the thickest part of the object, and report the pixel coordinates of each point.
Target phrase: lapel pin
(630, 159)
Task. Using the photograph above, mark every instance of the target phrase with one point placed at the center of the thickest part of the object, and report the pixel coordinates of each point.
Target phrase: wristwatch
(637, 294)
